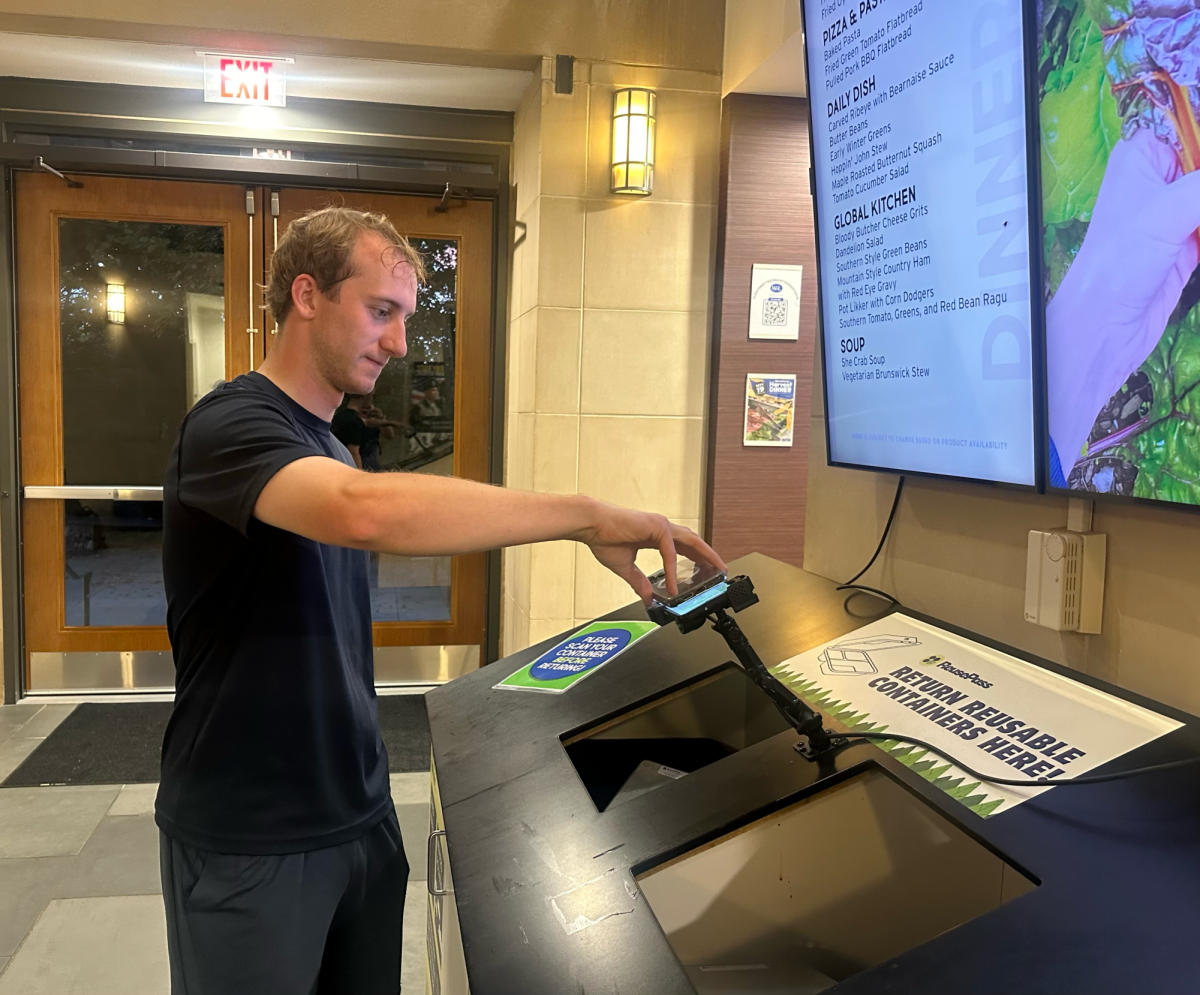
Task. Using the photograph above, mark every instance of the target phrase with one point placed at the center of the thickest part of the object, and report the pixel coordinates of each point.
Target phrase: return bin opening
(801, 899)
(685, 728)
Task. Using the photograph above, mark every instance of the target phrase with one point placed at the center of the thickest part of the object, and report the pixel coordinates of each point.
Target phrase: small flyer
(568, 663)
(775, 301)
(770, 409)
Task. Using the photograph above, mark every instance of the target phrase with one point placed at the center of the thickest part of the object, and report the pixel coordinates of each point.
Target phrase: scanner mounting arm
(736, 595)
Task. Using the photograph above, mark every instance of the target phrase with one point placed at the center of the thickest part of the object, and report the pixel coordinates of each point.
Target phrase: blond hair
(321, 244)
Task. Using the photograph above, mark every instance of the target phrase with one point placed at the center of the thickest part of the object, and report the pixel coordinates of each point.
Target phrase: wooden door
(438, 401)
(134, 297)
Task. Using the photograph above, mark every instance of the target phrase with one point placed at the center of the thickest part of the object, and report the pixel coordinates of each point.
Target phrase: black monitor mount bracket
(739, 595)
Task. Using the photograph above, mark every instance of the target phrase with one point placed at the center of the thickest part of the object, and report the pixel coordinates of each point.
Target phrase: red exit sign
(245, 79)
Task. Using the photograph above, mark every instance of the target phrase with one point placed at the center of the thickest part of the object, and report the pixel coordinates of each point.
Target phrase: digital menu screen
(1118, 101)
(922, 205)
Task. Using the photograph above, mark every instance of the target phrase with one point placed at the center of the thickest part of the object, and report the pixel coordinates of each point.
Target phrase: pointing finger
(696, 548)
(666, 547)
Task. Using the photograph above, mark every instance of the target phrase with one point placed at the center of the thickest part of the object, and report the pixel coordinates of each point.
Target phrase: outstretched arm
(415, 514)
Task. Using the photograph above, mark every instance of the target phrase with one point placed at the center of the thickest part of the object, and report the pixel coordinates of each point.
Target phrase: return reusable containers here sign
(998, 714)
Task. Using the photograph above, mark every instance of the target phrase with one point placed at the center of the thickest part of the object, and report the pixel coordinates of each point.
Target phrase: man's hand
(619, 533)
(414, 514)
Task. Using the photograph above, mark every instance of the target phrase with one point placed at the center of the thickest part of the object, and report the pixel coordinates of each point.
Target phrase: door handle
(275, 244)
(251, 331)
(430, 850)
(94, 493)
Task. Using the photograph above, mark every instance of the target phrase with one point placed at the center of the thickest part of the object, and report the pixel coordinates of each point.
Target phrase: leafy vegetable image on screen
(1119, 103)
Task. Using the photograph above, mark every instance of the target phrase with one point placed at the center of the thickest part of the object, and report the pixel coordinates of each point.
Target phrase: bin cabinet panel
(445, 963)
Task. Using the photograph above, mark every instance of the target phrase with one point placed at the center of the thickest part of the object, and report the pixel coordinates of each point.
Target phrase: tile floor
(80, 905)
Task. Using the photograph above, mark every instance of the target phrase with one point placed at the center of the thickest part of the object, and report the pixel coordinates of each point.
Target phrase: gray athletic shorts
(326, 921)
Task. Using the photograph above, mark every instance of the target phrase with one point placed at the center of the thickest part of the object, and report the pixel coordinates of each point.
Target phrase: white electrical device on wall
(1064, 579)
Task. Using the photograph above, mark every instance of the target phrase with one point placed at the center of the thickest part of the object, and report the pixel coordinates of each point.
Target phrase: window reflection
(416, 394)
(130, 373)
(410, 588)
(407, 424)
(112, 573)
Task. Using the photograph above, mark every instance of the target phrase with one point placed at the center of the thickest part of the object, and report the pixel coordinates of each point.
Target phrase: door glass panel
(410, 588)
(143, 338)
(414, 397)
(112, 573)
(408, 425)
(142, 326)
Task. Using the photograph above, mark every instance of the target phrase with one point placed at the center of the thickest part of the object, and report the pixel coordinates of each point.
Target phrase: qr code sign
(774, 311)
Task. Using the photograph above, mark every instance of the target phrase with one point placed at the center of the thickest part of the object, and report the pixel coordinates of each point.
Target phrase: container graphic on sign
(853, 656)
(566, 664)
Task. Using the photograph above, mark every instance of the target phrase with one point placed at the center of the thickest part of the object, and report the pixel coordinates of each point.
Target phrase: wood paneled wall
(755, 497)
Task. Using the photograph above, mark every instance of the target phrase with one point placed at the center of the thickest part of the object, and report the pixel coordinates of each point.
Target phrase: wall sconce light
(633, 141)
(116, 303)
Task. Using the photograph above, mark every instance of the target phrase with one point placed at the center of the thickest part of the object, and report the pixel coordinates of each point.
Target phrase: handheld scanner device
(707, 591)
(704, 578)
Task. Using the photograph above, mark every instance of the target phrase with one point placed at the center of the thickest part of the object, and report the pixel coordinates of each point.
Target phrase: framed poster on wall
(770, 409)
(775, 301)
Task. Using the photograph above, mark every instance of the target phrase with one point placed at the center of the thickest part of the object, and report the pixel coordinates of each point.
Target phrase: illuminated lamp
(633, 141)
(116, 303)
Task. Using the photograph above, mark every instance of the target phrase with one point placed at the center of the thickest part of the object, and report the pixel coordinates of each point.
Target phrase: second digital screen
(1120, 147)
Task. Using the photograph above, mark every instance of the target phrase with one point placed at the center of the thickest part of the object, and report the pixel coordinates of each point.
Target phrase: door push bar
(97, 493)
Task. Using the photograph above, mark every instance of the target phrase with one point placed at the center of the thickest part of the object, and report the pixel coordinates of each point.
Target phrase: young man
(283, 869)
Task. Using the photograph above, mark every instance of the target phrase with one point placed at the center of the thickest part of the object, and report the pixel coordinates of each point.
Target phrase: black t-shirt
(274, 744)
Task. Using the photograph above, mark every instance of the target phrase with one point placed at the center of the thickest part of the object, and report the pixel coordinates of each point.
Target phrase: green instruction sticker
(574, 658)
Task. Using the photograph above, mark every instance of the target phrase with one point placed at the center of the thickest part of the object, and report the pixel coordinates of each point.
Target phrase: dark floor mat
(101, 743)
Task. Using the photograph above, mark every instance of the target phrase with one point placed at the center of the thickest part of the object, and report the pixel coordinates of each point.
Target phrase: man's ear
(304, 296)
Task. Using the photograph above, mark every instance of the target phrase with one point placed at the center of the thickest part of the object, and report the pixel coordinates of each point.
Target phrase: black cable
(883, 538)
(859, 589)
(1028, 782)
